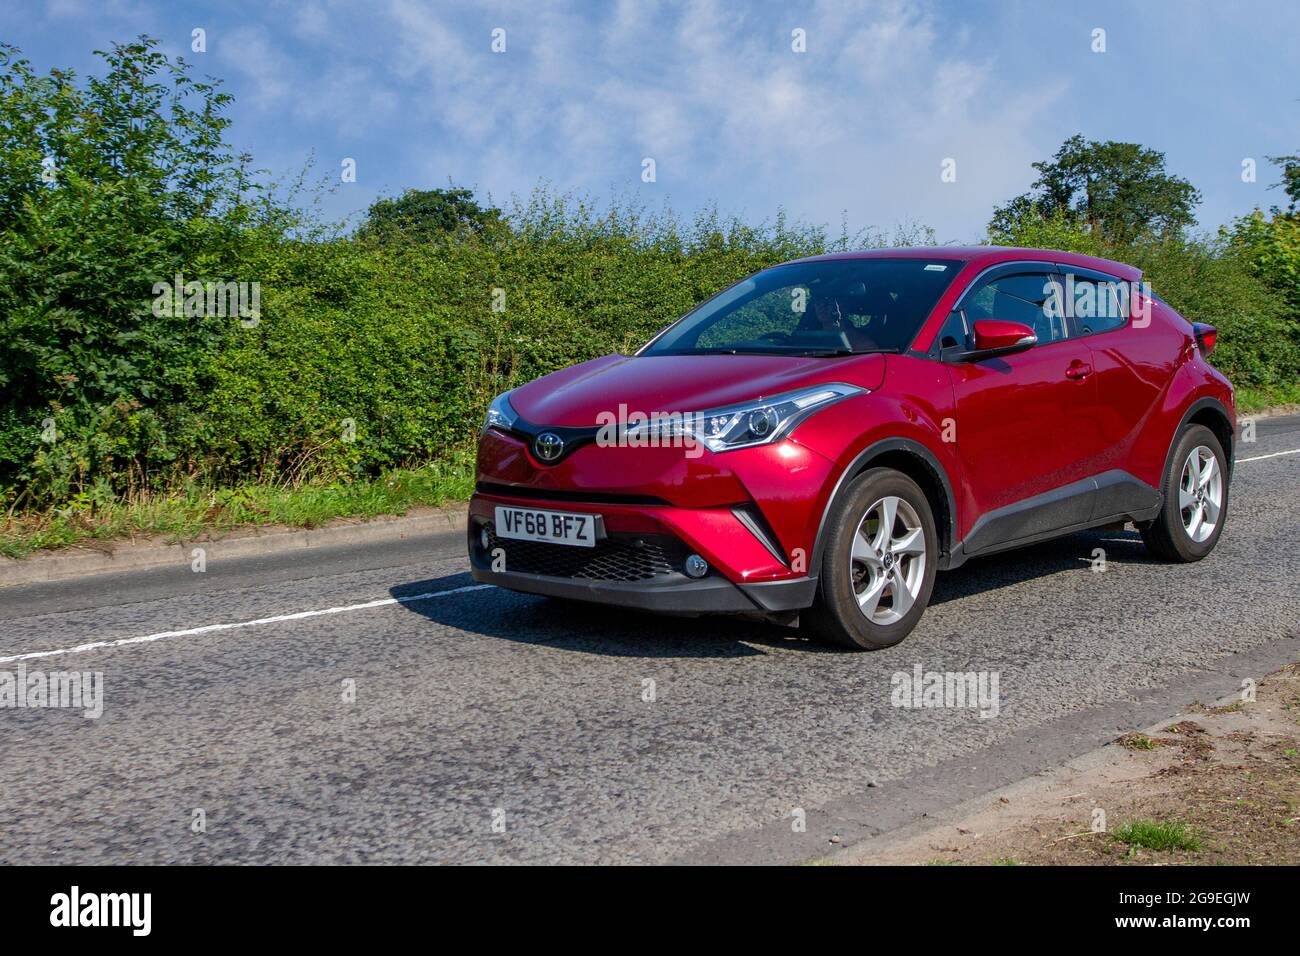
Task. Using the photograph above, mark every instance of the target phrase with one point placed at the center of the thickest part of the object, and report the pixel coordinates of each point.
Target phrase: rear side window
(1026, 298)
(1094, 306)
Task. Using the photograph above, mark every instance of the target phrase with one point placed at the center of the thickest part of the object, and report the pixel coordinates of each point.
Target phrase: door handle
(1078, 371)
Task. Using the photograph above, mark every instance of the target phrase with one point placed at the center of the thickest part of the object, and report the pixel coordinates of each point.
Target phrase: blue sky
(857, 127)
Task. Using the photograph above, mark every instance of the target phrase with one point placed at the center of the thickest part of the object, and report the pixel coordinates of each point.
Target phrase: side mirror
(997, 337)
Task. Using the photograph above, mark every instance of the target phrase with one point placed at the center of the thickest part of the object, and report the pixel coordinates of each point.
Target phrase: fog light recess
(484, 538)
(696, 567)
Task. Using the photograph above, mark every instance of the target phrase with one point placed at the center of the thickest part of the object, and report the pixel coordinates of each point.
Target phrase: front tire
(1196, 499)
(878, 569)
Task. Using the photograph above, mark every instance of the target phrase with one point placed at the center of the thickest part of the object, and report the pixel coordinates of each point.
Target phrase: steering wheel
(780, 338)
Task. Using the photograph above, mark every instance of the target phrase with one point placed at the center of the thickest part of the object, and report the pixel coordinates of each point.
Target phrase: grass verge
(1158, 835)
(194, 510)
(1251, 400)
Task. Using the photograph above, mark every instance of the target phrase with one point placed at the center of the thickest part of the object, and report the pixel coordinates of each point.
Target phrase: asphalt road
(493, 727)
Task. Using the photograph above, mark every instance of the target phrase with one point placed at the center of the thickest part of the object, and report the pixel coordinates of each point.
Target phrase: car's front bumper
(685, 596)
(640, 562)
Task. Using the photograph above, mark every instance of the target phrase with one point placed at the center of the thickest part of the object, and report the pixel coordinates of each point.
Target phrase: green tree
(424, 214)
(1290, 183)
(1119, 191)
(1270, 244)
(107, 185)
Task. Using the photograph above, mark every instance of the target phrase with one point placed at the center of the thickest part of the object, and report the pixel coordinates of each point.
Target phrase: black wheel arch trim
(947, 524)
(1207, 401)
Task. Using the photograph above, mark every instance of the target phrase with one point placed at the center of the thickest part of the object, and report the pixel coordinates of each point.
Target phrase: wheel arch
(913, 459)
(1213, 414)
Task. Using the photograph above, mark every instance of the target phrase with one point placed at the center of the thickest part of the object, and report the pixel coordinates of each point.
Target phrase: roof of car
(984, 256)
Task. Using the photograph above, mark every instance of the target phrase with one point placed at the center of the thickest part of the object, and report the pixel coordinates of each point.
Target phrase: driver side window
(1029, 298)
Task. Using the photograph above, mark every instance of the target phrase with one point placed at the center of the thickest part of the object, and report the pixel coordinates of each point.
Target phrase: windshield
(833, 307)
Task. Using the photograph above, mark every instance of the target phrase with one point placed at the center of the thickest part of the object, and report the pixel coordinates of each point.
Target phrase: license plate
(555, 527)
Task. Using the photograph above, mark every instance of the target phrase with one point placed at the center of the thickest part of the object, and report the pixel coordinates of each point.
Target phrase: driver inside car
(825, 314)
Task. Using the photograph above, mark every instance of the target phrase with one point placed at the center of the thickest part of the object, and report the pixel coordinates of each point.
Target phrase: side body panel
(1023, 426)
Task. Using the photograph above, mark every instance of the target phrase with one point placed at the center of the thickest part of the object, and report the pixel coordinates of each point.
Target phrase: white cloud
(712, 90)
(858, 123)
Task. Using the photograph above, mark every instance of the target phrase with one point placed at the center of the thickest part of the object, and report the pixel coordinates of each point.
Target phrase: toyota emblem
(548, 447)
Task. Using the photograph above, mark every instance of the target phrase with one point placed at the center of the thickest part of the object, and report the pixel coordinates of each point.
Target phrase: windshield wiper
(797, 353)
(730, 352)
(833, 353)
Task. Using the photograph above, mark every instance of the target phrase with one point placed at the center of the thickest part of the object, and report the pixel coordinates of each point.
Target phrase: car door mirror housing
(997, 334)
(995, 337)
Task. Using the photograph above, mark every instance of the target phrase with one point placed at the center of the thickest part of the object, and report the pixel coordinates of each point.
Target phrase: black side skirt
(1103, 499)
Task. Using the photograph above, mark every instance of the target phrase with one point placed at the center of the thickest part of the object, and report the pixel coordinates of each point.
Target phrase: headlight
(747, 424)
(500, 415)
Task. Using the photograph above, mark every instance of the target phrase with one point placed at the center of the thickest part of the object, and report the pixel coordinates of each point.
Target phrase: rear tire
(1195, 499)
(875, 581)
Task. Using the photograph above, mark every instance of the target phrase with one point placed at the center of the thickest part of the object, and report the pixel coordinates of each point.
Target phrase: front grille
(616, 558)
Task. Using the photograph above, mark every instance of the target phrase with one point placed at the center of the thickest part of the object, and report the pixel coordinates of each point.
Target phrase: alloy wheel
(888, 560)
(1200, 494)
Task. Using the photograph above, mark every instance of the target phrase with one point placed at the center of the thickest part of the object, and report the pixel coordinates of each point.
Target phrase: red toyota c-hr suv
(816, 441)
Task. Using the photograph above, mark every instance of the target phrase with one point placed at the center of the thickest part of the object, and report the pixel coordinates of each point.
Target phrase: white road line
(301, 615)
(1274, 455)
(208, 629)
